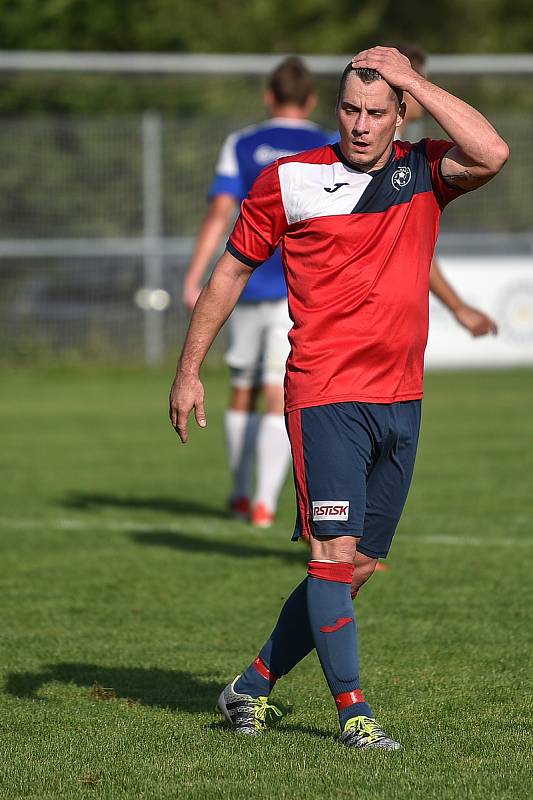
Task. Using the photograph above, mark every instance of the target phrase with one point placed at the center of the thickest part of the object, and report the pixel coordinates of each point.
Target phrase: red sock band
(338, 571)
(264, 671)
(349, 699)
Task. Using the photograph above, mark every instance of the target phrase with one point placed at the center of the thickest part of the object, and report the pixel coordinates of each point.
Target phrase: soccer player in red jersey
(357, 224)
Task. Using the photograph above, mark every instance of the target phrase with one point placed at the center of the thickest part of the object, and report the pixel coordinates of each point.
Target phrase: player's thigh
(331, 458)
(389, 481)
(277, 324)
(246, 336)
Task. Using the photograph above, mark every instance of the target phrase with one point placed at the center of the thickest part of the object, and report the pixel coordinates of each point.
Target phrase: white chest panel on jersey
(319, 190)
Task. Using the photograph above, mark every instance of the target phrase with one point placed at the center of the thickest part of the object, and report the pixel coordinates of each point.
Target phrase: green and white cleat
(245, 714)
(365, 733)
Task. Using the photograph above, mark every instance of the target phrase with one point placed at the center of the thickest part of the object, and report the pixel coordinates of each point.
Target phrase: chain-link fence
(99, 216)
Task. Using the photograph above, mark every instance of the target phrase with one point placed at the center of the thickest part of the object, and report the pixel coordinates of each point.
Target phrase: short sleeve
(436, 149)
(261, 222)
(227, 178)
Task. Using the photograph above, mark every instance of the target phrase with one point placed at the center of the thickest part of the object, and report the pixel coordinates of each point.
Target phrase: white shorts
(258, 343)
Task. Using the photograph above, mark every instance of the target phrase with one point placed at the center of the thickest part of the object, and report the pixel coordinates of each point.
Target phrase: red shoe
(239, 507)
(261, 517)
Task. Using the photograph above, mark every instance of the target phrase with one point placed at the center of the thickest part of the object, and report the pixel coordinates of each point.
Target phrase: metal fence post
(153, 228)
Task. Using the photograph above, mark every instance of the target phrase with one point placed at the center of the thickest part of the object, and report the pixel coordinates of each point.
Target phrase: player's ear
(310, 103)
(269, 100)
(401, 114)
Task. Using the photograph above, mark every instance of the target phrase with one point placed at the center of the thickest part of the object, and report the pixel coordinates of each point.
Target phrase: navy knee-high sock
(290, 641)
(334, 629)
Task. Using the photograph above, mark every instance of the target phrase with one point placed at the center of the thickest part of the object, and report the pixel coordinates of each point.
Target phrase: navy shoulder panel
(396, 183)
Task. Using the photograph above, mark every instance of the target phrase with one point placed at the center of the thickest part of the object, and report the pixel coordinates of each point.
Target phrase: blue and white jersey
(244, 154)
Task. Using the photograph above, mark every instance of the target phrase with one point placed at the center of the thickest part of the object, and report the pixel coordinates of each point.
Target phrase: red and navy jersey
(356, 250)
(244, 154)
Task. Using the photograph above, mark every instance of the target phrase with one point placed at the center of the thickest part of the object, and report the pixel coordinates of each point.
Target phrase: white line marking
(72, 524)
(198, 525)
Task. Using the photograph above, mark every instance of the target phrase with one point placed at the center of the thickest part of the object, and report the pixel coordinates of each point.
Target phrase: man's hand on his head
(393, 67)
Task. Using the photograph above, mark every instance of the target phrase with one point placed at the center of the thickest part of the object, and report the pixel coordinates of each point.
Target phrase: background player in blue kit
(259, 325)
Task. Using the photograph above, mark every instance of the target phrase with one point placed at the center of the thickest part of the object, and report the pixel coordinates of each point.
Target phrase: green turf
(129, 599)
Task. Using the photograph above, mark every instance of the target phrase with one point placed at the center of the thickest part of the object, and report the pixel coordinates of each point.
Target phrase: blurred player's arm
(214, 226)
(475, 321)
(216, 302)
(479, 152)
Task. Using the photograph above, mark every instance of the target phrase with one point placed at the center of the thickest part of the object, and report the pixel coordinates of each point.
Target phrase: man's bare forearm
(465, 126)
(479, 153)
(477, 322)
(442, 289)
(214, 226)
(215, 304)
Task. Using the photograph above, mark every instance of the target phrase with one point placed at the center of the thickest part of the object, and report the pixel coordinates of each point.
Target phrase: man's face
(368, 116)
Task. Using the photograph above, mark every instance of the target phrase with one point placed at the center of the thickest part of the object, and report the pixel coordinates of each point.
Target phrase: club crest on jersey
(401, 177)
(330, 509)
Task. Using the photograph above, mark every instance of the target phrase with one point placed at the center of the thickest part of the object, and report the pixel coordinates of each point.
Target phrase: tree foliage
(312, 26)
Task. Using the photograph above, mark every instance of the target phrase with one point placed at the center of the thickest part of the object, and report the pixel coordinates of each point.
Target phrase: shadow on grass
(292, 554)
(88, 501)
(185, 542)
(318, 733)
(158, 688)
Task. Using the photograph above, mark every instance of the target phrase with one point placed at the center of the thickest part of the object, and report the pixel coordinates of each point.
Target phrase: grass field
(129, 599)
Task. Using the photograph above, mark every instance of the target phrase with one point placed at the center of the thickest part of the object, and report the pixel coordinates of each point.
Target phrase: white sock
(241, 436)
(273, 459)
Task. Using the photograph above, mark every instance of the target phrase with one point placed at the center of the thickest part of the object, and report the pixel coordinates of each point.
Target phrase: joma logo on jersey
(331, 509)
(332, 189)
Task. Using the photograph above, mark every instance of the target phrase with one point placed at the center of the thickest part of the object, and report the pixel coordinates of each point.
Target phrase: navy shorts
(353, 464)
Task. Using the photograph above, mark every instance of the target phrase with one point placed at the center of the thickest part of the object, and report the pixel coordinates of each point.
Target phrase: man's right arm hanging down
(216, 302)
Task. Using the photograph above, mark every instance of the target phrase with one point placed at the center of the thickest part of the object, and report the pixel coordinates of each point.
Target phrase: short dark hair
(366, 75)
(291, 83)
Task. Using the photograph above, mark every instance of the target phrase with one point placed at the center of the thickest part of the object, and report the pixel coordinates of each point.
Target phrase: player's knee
(333, 548)
(243, 398)
(274, 400)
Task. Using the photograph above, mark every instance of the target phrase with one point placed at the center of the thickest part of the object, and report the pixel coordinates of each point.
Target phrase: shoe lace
(365, 726)
(265, 712)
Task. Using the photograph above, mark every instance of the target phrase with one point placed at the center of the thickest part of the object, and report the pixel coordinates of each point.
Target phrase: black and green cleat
(245, 714)
(364, 733)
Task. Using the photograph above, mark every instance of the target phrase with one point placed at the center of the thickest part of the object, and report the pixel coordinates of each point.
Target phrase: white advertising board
(503, 288)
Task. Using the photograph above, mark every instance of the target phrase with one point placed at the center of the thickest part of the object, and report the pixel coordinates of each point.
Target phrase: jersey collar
(338, 152)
